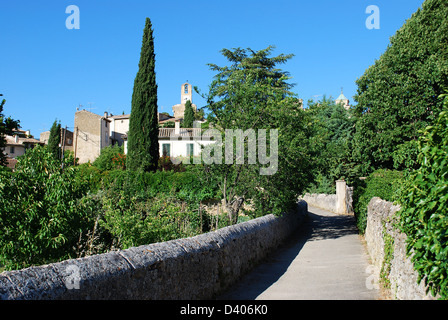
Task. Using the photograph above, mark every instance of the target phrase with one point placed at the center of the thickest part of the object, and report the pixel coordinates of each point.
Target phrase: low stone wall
(339, 203)
(380, 232)
(322, 201)
(199, 267)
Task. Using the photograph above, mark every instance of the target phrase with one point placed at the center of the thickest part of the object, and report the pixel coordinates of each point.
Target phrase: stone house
(17, 145)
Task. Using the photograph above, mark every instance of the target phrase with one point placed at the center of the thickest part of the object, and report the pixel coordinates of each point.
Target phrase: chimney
(105, 114)
(177, 127)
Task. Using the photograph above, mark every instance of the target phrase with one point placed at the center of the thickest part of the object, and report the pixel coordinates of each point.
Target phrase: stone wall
(322, 201)
(199, 267)
(379, 232)
(340, 203)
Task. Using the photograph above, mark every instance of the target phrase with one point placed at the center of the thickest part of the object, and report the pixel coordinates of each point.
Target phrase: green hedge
(424, 214)
(381, 183)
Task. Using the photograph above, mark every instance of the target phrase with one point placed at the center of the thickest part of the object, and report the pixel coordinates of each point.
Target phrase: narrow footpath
(324, 260)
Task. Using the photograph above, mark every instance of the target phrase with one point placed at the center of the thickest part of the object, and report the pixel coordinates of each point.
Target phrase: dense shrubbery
(50, 212)
(381, 183)
(39, 216)
(424, 214)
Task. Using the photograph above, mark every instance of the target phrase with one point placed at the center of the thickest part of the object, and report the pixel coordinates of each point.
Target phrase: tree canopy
(251, 93)
(398, 95)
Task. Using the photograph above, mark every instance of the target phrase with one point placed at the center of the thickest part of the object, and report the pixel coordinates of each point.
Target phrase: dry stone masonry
(199, 267)
(380, 232)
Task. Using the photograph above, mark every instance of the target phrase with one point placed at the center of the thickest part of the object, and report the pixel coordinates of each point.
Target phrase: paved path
(324, 260)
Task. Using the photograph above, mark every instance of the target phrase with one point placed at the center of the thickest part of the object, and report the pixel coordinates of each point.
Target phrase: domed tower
(343, 100)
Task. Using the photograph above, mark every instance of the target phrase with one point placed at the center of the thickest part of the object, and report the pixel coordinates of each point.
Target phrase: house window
(166, 150)
(12, 150)
(190, 149)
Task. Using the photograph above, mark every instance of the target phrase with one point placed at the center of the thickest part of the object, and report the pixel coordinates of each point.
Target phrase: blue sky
(47, 70)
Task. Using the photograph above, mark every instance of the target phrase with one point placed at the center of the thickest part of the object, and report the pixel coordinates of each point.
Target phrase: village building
(17, 145)
(94, 132)
(182, 142)
(66, 142)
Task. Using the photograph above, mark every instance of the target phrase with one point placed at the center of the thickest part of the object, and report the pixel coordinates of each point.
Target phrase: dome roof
(341, 97)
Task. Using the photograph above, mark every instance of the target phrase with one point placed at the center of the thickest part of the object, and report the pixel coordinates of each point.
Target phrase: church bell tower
(186, 93)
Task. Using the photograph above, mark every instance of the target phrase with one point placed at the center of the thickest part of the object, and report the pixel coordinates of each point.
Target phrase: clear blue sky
(47, 70)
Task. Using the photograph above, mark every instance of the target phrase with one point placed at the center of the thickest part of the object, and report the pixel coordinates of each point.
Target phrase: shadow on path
(319, 225)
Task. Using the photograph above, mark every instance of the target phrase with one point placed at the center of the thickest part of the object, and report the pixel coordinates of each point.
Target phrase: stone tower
(186, 93)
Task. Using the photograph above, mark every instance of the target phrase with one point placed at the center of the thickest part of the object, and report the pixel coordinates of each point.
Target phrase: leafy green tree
(331, 142)
(252, 93)
(188, 115)
(143, 145)
(398, 95)
(55, 139)
(7, 125)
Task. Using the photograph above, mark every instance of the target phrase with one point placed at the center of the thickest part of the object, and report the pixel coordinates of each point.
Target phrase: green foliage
(39, 217)
(388, 257)
(381, 183)
(55, 139)
(322, 185)
(331, 143)
(424, 214)
(110, 158)
(133, 222)
(51, 211)
(6, 128)
(252, 93)
(188, 115)
(398, 95)
(143, 145)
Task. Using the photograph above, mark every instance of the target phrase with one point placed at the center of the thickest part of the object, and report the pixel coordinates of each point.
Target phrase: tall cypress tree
(143, 145)
(55, 139)
(188, 115)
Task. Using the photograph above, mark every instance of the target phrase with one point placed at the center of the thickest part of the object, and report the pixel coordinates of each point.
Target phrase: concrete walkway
(324, 260)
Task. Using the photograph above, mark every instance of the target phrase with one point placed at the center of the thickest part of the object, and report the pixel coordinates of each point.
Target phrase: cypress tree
(143, 145)
(188, 115)
(55, 139)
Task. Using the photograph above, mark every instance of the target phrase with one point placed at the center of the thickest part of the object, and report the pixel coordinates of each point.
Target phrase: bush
(134, 222)
(381, 183)
(39, 217)
(111, 157)
(424, 214)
